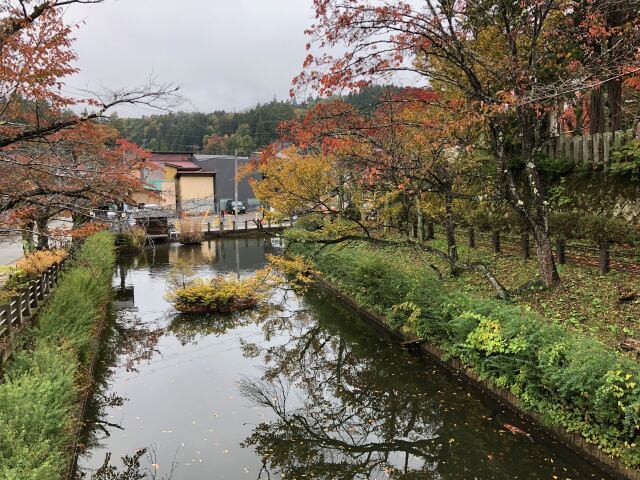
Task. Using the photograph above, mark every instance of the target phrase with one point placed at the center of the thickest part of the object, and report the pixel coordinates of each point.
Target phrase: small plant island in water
(224, 294)
(216, 295)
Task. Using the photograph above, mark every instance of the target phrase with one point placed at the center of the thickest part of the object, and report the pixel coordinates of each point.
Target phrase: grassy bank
(42, 383)
(571, 379)
(585, 301)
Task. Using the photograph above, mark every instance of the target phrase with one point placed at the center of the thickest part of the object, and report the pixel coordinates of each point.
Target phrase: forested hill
(222, 132)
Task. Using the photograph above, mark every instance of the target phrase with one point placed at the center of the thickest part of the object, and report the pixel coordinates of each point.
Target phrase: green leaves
(39, 391)
(626, 160)
(574, 381)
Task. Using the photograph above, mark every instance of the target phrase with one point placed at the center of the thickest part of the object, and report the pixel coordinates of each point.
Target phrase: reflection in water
(301, 389)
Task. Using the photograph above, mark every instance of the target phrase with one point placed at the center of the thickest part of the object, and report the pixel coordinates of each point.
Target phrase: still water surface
(305, 389)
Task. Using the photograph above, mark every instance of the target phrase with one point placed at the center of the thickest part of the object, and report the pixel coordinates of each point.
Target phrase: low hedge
(571, 380)
(41, 383)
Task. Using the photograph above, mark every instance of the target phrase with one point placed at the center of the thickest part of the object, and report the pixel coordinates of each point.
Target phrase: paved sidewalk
(10, 250)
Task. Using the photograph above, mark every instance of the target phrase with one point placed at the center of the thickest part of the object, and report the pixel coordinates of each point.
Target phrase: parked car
(237, 205)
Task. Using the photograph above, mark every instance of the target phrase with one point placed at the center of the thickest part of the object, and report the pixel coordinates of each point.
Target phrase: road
(10, 249)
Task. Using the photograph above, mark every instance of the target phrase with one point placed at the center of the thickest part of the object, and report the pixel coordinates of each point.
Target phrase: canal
(303, 389)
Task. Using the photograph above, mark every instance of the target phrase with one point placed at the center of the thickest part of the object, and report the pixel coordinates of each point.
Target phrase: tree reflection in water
(335, 397)
(345, 421)
(348, 404)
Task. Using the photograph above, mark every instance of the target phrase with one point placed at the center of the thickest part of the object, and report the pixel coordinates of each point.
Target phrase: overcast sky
(225, 54)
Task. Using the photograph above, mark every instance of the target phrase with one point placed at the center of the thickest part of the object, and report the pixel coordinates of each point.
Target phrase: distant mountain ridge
(223, 132)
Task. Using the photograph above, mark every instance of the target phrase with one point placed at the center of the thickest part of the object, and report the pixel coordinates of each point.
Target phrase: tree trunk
(614, 94)
(452, 249)
(544, 253)
(28, 245)
(534, 211)
(78, 220)
(596, 111)
(615, 18)
(42, 224)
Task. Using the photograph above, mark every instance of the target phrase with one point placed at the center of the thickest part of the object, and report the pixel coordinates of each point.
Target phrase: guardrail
(21, 309)
(244, 225)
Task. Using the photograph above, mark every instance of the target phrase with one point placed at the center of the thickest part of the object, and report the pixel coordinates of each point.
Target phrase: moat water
(303, 389)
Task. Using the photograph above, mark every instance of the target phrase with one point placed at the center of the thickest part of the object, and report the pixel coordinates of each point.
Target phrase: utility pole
(235, 186)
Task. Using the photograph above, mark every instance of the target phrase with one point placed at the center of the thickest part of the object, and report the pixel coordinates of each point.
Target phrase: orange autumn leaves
(341, 155)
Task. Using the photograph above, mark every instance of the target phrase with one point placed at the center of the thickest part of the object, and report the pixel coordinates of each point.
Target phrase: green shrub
(486, 220)
(573, 381)
(39, 392)
(36, 403)
(134, 238)
(599, 228)
(626, 160)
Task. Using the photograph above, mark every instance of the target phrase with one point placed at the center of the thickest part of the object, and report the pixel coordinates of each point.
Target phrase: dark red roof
(181, 161)
(182, 173)
(168, 157)
(184, 165)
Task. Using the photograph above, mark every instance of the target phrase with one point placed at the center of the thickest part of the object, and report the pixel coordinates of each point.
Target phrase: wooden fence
(21, 308)
(605, 256)
(590, 150)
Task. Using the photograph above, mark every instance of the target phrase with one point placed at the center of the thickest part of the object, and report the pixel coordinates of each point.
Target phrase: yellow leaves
(225, 293)
(292, 182)
(37, 262)
(293, 266)
(217, 294)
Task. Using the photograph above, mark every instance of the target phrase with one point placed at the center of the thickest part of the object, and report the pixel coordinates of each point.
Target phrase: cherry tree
(512, 62)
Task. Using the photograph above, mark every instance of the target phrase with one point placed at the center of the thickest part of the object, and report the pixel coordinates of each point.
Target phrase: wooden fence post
(606, 141)
(524, 245)
(605, 257)
(40, 289)
(33, 293)
(472, 237)
(430, 234)
(495, 241)
(596, 139)
(50, 284)
(7, 316)
(587, 149)
(561, 251)
(26, 292)
(617, 139)
(19, 300)
(577, 150)
(44, 279)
